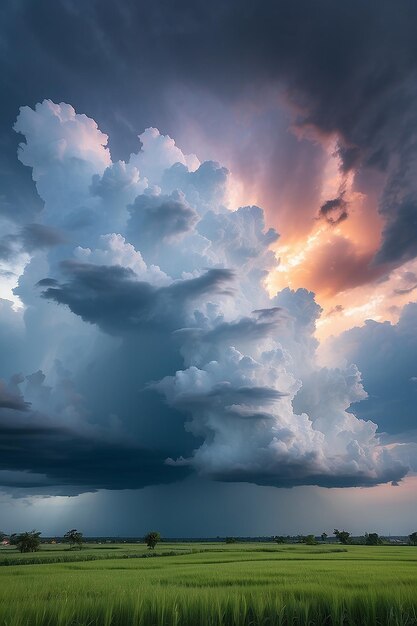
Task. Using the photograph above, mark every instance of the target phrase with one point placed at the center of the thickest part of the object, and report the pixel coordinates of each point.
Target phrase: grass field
(239, 584)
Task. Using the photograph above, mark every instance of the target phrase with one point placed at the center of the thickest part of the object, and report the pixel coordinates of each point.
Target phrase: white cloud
(115, 250)
(64, 150)
(159, 153)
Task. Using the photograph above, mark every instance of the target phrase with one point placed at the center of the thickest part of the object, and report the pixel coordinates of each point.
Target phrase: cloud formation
(334, 211)
(387, 357)
(48, 444)
(185, 364)
(31, 237)
(265, 103)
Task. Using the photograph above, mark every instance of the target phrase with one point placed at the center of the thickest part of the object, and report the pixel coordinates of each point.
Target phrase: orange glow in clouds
(336, 260)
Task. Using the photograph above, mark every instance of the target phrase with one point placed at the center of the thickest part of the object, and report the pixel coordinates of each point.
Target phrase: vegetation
(214, 584)
(230, 540)
(279, 539)
(310, 540)
(74, 538)
(152, 538)
(413, 539)
(343, 536)
(323, 537)
(28, 542)
(373, 539)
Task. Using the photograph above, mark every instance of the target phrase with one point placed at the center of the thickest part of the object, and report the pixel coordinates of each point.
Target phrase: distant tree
(412, 539)
(373, 539)
(151, 539)
(13, 539)
(310, 540)
(279, 539)
(74, 538)
(3, 535)
(323, 536)
(230, 539)
(29, 541)
(343, 536)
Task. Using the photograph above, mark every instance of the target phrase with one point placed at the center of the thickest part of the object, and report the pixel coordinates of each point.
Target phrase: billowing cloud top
(156, 348)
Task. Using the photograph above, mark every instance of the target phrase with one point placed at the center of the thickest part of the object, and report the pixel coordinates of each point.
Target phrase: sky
(208, 267)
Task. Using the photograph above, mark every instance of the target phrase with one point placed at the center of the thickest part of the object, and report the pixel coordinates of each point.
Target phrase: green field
(213, 584)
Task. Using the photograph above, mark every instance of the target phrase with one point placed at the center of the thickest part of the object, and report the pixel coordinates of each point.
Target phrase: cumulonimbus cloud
(187, 364)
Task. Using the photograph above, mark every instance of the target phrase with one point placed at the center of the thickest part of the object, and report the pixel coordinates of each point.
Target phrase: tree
(3, 535)
(323, 536)
(310, 540)
(152, 539)
(29, 541)
(74, 538)
(230, 539)
(279, 539)
(343, 536)
(413, 539)
(373, 539)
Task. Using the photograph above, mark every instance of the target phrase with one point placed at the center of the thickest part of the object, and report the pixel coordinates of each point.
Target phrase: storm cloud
(386, 354)
(54, 450)
(160, 351)
(347, 69)
(114, 300)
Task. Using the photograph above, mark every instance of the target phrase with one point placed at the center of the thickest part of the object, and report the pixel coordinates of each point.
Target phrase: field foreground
(210, 584)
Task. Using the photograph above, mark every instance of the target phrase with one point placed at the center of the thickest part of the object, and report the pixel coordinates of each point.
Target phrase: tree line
(345, 538)
(30, 541)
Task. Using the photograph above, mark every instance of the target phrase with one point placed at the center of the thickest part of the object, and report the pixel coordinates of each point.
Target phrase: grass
(213, 584)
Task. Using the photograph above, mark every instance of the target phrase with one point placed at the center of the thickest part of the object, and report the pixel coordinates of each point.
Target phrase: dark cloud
(87, 460)
(155, 219)
(248, 329)
(334, 211)
(386, 354)
(263, 322)
(227, 394)
(399, 235)
(39, 237)
(112, 297)
(292, 475)
(11, 398)
(47, 282)
(31, 237)
(52, 441)
(268, 314)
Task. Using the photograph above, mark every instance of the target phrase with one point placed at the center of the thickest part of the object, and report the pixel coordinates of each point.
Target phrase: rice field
(213, 584)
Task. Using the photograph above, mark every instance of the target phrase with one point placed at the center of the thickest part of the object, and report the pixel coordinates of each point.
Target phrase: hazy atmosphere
(208, 267)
